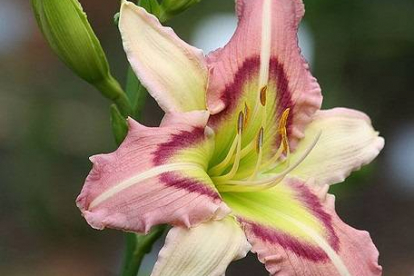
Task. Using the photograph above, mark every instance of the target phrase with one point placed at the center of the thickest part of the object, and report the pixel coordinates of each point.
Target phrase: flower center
(246, 167)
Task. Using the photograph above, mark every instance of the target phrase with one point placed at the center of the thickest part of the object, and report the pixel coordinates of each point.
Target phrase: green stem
(111, 89)
(137, 247)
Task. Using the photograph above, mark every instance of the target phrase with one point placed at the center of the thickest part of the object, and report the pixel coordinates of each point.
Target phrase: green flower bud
(68, 32)
(170, 8)
(66, 28)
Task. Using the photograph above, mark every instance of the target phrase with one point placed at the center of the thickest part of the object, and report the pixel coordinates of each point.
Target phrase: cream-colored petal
(174, 72)
(205, 250)
(348, 141)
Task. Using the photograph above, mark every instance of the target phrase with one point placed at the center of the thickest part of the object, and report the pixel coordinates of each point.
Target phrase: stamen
(237, 158)
(246, 114)
(259, 149)
(270, 166)
(247, 149)
(284, 142)
(263, 95)
(283, 119)
(233, 171)
(259, 143)
(282, 128)
(219, 168)
(261, 100)
(266, 183)
(240, 123)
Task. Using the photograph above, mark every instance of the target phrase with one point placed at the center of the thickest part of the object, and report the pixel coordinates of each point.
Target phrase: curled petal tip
(275, 257)
(209, 132)
(323, 192)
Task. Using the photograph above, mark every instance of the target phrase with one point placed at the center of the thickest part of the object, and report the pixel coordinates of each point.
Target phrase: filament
(235, 167)
(259, 149)
(266, 183)
(219, 168)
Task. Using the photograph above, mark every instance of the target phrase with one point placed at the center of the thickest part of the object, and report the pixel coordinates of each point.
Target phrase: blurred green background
(361, 51)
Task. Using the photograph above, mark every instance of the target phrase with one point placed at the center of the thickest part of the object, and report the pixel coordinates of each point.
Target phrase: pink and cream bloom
(243, 158)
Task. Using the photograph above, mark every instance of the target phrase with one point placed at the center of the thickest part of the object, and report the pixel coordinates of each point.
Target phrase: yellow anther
(263, 95)
(284, 143)
(282, 129)
(283, 118)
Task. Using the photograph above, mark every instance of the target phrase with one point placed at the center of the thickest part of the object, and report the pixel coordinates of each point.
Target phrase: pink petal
(264, 50)
(296, 231)
(156, 176)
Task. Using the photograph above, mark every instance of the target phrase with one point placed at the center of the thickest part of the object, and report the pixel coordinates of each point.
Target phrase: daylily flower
(243, 158)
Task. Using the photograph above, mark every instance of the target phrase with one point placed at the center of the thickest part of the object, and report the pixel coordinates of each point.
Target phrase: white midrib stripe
(155, 171)
(324, 245)
(266, 43)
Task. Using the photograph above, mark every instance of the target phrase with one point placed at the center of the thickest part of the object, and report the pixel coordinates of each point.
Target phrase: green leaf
(136, 93)
(151, 6)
